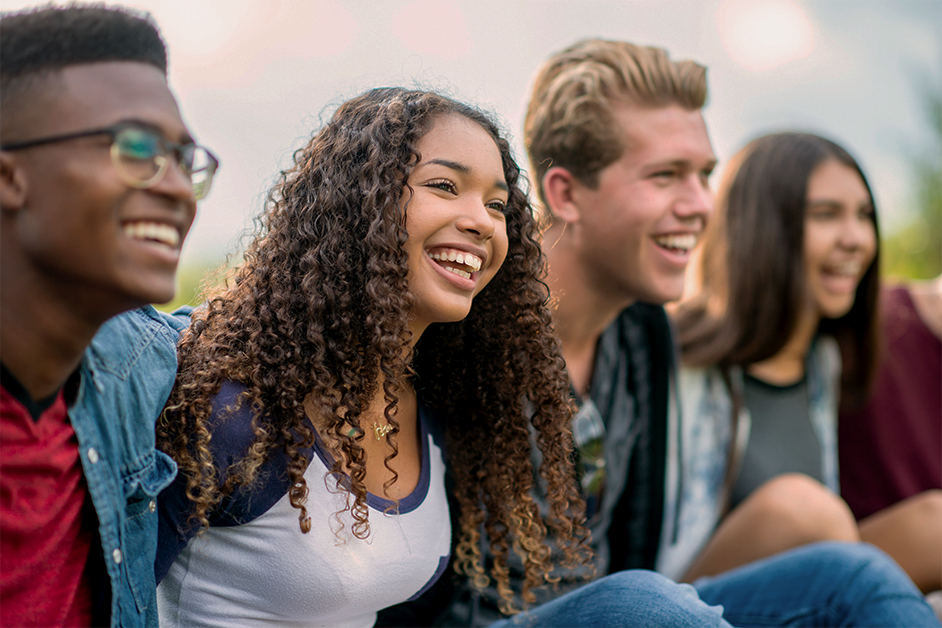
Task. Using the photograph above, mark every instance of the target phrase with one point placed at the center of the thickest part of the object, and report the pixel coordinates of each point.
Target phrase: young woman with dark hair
(787, 280)
(388, 320)
(390, 308)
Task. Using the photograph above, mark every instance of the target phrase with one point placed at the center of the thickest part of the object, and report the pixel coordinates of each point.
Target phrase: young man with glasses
(621, 159)
(99, 179)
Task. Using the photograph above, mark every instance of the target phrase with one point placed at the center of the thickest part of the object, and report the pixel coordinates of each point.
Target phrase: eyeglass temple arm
(52, 140)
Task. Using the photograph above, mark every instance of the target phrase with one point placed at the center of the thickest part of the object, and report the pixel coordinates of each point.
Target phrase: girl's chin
(835, 310)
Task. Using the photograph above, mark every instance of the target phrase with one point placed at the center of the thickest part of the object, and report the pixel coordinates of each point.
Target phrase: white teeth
(460, 273)
(159, 232)
(459, 257)
(684, 242)
(851, 269)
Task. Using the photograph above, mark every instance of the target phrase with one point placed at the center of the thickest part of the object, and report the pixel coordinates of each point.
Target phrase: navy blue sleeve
(232, 436)
(173, 528)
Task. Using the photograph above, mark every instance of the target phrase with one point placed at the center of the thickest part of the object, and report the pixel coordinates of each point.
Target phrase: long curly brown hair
(319, 310)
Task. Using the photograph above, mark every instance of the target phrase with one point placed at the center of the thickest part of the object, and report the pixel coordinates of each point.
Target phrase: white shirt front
(268, 573)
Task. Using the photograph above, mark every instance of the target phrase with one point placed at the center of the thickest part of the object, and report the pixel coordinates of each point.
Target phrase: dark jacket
(630, 387)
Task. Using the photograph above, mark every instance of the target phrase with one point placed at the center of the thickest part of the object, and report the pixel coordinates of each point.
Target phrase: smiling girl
(788, 273)
(389, 310)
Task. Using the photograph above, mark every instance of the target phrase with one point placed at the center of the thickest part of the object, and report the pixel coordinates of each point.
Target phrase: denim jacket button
(93, 455)
(152, 506)
(116, 555)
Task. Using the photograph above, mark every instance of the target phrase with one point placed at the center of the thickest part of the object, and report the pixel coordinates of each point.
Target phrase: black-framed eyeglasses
(141, 156)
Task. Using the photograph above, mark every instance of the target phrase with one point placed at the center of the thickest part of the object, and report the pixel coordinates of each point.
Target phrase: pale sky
(255, 77)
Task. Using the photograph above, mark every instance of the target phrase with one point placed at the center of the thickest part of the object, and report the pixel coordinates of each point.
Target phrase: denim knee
(850, 560)
(642, 597)
(645, 583)
(822, 584)
(625, 598)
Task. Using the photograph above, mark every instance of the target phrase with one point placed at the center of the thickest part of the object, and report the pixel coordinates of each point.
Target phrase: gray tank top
(781, 439)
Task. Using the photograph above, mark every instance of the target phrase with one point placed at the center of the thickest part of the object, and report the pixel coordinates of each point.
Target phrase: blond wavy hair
(570, 121)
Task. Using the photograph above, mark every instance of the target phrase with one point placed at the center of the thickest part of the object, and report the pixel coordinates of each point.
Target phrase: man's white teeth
(460, 273)
(159, 232)
(683, 242)
(459, 257)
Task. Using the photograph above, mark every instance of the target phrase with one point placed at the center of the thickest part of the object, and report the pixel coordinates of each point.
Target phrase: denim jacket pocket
(141, 488)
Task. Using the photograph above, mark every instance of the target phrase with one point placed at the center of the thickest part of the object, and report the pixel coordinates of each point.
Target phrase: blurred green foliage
(915, 251)
(190, 280)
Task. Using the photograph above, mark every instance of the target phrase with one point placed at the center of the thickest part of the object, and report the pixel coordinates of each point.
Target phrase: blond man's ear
(558, 188)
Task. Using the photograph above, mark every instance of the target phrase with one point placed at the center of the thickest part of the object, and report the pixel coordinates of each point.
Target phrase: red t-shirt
(47, 527)
(892, 448)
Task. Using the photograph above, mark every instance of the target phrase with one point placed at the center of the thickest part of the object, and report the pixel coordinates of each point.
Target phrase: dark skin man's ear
(558, 184)
(13, 185)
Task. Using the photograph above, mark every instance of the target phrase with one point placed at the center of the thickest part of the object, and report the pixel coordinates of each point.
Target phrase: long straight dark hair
(751, 272)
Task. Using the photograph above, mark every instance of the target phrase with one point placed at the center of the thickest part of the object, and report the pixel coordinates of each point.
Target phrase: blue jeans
(627, 598)
(827, 584)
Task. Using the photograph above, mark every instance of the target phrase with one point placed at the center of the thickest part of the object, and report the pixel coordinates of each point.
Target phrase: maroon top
(46, 533)
(892, 448)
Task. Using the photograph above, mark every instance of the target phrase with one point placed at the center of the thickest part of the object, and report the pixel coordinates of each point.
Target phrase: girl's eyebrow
(454, 165)
(463, 169)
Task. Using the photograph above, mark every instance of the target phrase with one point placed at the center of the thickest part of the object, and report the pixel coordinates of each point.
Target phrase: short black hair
(48, 38)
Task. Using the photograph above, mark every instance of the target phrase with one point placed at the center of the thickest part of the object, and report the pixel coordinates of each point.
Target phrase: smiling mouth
(681, 243)
(160, 233)
(458, 262)
(848, 270)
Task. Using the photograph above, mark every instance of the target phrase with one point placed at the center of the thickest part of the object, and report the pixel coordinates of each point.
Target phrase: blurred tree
(915, 251)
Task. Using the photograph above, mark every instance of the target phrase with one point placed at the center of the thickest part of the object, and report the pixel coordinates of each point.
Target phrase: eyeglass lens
(139, 156)
(201, 168)
(142, 158)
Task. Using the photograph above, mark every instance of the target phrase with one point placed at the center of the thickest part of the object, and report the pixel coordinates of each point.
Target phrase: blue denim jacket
(126, 376)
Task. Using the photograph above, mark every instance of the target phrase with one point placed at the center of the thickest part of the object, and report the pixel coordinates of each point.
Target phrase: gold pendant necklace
(381, 430)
